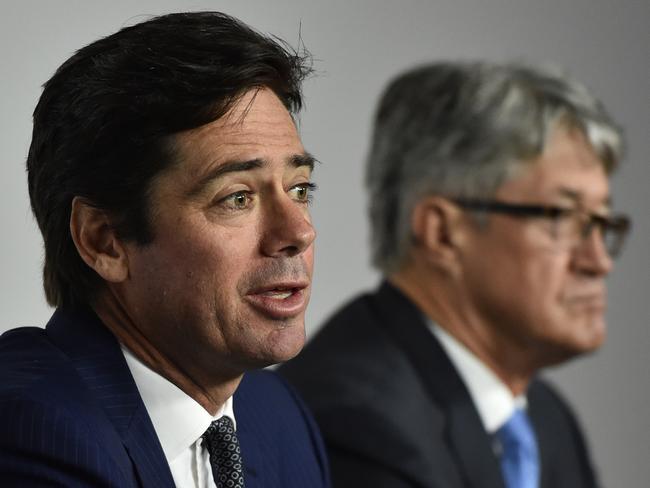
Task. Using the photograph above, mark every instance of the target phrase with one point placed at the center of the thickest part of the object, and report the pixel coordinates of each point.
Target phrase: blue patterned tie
(225, 456)
(519, 456)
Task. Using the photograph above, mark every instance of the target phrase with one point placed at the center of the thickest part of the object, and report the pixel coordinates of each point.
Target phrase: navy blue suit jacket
(71, 415)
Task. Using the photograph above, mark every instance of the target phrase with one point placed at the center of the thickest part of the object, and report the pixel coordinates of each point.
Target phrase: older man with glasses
(492, 224)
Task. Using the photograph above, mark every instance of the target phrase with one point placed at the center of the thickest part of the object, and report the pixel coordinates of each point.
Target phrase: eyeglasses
(570, 226)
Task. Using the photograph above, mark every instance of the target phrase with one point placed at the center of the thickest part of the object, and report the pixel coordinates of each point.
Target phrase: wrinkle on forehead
(258, 121)
(568, 168)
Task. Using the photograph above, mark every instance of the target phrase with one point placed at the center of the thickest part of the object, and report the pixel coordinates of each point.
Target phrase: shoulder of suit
(36, 376)
(544, 395)
(26, 357)
(45, 410)
(548, 407)
(54, 443)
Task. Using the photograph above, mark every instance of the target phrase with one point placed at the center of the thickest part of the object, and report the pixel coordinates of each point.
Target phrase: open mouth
(280, 301)
(278, 294)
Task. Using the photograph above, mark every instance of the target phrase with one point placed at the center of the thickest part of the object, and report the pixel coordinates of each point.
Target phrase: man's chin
(281, 345)
(591, 332)
(290, 345)
(587, 342)
(582, 340)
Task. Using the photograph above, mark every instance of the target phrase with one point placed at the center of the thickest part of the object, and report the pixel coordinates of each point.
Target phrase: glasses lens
(614, 230)
(612, 239)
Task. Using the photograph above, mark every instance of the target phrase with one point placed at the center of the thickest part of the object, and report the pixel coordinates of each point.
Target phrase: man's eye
(303, 192)
(237, 201)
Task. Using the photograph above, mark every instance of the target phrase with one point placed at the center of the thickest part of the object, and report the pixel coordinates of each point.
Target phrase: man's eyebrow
(225, 168)
(235, 166)
(305, 159)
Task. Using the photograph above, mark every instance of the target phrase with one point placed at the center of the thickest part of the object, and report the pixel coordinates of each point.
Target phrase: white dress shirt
(179, 422)
(492, 398)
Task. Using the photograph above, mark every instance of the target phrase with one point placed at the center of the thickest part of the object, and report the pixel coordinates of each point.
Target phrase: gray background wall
(357, 47)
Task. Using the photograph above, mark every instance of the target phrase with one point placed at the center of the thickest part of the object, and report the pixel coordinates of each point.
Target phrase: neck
(442, 301)
(211, 395)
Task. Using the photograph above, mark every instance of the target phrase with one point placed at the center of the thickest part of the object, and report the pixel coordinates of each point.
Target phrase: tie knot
(222, 444)
(517, 431)
(219, 428)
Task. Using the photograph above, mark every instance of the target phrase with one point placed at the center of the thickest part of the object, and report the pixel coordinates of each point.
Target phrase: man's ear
(434, 223)
(96, 241)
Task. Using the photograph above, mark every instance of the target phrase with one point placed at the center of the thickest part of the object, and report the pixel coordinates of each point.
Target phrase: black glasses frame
(617, 226)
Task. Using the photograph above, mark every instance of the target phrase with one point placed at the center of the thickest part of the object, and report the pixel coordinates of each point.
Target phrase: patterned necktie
(225, 456)
(519, 456)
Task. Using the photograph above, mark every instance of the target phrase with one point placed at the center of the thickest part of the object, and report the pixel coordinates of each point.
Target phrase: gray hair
(461, 129)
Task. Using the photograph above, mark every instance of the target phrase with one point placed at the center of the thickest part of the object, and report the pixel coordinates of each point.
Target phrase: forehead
(258, 126)
(568, 168)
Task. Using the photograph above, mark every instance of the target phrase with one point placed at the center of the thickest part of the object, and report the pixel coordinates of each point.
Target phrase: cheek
(536, 271)
(209, 249)
(545, 277)
(189, 269)
(524, 279)
(541, 289)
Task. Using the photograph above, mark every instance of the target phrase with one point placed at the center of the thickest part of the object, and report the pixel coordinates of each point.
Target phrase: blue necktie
(519, 456)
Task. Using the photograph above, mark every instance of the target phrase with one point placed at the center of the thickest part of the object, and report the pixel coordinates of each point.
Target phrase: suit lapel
(246, 409)
(97, 358)
(466, 436)
(251, 455)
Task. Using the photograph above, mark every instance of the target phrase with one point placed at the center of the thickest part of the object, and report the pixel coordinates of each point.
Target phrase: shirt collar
(492, 398)
(178, 419)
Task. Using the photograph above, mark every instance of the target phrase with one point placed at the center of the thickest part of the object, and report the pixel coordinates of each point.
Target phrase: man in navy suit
(171, 187)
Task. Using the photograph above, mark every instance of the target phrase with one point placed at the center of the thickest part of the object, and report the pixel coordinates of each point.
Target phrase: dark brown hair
(104, 125)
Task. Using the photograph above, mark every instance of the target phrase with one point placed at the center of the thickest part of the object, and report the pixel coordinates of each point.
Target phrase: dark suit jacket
(395, 413)
(71, 415)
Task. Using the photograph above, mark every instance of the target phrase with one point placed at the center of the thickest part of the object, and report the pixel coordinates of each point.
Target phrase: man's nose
(288, 230)
(591, 254)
